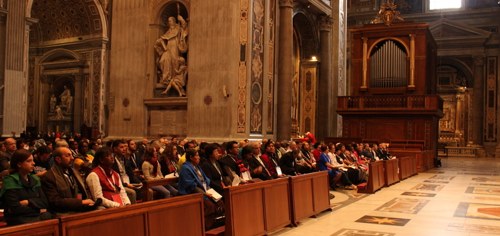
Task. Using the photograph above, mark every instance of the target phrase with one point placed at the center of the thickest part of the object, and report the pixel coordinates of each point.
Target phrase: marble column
(325, 79)
(15, 80)
(478, 101)
(285, 70)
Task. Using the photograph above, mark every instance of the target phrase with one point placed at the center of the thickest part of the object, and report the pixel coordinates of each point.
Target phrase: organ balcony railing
(401, 104)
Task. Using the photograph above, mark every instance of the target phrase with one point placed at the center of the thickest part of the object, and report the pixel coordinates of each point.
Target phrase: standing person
(64, 186)
(21, 194)
(104, 183)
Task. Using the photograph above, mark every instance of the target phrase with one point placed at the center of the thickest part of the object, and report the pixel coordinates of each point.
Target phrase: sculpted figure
(59, 113)
(169, 48)
(66, 99)
(52, 103)
(179, 80)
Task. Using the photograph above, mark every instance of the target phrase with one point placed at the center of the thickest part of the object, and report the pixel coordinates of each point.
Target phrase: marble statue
(169, 48)
(59, 113)
(52, 103)
(66, 99)
(179, 79)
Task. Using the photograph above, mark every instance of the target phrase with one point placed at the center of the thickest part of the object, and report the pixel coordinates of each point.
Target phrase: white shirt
(96, 191)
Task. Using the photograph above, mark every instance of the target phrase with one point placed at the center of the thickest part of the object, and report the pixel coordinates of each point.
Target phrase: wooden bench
(407, 167)
(45, 228)
(166, 216)
(310, 195)
(376, 179)
(391, 173)
(257, 208)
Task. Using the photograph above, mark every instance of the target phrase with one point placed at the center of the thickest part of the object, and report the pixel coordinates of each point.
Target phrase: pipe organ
(393, 87)
(388, 65)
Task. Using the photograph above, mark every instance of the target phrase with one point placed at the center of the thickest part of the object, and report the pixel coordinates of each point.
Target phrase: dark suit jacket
(254, 164)
(213, 175)
(228, 162)
(287, 164)
(61, 196)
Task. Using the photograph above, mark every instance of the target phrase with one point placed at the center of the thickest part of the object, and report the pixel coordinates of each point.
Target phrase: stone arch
(158, 8)
(307, 33)
(305, 79)
(93, 6)
(460, 66)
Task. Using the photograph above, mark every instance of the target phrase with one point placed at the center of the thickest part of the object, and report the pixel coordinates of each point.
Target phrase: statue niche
(171, 49)
(62, 108)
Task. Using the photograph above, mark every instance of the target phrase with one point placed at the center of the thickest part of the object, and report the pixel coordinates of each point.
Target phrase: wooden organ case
(393, 89)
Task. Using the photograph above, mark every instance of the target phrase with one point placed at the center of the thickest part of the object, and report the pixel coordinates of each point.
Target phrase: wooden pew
(407, 167)
(161, 217)
(40, 228)
(310, 195)
(146, 185)
(376, 179)
(391, 174)
(257, 208)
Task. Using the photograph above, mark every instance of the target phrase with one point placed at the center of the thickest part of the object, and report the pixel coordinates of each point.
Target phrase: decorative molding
(325, 23)
(257, 66)
(242, 69)
(387, 14)
(286, 3)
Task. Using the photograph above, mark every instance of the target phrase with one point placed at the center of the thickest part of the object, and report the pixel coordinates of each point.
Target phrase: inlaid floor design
(461, 198)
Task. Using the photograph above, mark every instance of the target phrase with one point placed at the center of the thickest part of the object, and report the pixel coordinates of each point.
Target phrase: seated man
(64, 187)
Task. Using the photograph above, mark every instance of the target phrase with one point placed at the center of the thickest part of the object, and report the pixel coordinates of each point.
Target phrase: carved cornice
(286, 3)
(325, 23)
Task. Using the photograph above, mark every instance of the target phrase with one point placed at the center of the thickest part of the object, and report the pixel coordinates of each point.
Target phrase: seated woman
(212, 168)
(22, 195)
(151, 169)
(104, 182)
(169, 160)
(193, 180)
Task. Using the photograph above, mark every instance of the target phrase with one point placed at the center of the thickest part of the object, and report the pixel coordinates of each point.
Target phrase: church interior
(421, 76)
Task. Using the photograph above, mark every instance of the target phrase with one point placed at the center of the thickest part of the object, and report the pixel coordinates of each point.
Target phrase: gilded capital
(325, 23)
(286, 3)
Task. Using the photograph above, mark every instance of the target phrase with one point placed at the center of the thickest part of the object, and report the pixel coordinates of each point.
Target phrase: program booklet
(215, 195)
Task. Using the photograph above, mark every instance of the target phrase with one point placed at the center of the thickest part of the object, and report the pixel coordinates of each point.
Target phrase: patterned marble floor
(460, 198)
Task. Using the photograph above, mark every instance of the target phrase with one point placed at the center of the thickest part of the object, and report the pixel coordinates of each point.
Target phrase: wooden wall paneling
(321, 190)
(302, 197)
(277, 204)
(41, 228)
(391, 171)
(244, 206)
(171, 217)
(135, 219)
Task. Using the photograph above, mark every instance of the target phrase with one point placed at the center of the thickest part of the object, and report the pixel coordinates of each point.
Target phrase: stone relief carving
(169, 48)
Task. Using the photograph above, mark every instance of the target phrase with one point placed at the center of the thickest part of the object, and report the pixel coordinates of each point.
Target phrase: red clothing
(316, 153)
(109, 191)
(270, 164)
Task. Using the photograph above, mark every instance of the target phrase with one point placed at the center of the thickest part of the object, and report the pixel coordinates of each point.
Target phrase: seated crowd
(45, 178)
